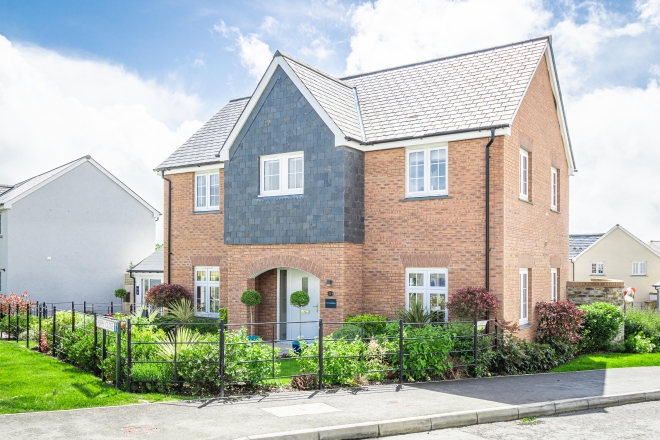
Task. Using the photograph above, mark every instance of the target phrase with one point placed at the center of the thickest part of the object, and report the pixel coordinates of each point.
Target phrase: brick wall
(535, 237)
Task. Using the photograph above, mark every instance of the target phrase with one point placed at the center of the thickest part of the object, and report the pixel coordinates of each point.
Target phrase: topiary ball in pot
(251, 298)
(299, 299)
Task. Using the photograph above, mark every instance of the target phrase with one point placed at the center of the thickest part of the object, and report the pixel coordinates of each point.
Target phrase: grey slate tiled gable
(332, 206)
(153, 263)
(460, 93)
(579, 242)
(204, 145)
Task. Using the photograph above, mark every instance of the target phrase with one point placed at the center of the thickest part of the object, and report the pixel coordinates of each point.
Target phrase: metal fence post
(400, 351)
(320, 354)
(128, 356)
(222, 358)
(104, 348)
(118, 356)
(176, 332)
(73, 318)
(476, 343)
(272, 351)
(112, 308)
(96, 347)
(39, 316)
(54, 330)
(84, 307)
(28, 310)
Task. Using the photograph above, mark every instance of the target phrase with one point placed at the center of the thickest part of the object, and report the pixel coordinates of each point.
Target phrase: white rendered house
(69, 234)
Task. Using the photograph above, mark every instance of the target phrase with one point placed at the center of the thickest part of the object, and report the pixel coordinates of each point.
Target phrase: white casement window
(524, 174)
(428, 286)
(553, 189)
(426, 171)
(639, 268)
(282, 174)
(207, 191)
(524, 296)
(207, 291)
(597, 268)
(554, 284)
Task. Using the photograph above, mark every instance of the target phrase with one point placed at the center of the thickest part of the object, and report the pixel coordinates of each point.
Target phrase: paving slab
(244, 417)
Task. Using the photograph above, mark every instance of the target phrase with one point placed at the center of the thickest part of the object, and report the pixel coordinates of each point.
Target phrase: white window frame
(207, 198)
(524, 295)
(596, 272)
(554, 284)
(426, 289)
(284, 189)
(639, 268)
(427, 171)
(207, 284)
(554, 186)
(523, 184)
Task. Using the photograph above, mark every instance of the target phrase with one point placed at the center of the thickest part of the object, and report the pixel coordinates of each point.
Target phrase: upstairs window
(207, 191)
(426, 172)
(597, 268)
(524, 174)
(282, 174)
(554, 190)
(639, 268)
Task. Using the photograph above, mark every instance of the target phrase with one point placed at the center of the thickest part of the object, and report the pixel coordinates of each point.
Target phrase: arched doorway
(297, 323)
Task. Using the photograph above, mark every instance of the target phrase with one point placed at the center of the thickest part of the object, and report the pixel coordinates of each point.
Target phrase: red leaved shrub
(15, 302)
(162, 295)
(471, 303)
(559, 322)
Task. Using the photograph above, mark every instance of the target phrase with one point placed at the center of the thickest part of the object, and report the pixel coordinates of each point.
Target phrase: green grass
(609, 360)
(31, 381)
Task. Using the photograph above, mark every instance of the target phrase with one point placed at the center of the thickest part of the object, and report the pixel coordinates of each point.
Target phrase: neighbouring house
(376, 190)
(618, 255)
(69, 234)
(143, 276)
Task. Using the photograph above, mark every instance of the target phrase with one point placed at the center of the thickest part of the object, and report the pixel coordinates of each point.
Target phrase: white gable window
(428, 287)
(524, 174)
(426, 171)
(597, 268)
(639, 268)
(282, 174)
(554, 284)
(554, 201)
(207, 191)
(524, 296)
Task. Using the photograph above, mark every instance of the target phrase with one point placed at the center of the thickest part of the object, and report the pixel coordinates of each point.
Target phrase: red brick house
(378, 189)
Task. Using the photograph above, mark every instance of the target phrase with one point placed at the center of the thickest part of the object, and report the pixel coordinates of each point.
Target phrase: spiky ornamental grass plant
(181, 311)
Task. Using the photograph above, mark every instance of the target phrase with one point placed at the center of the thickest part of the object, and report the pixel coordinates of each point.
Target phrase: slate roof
(467, 92)
(4, 188)
(579, 242)
(153, 263)
(24, 186)
(203, 146)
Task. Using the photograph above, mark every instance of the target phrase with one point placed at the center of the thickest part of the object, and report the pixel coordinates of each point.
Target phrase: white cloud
(255, 55)
(649, 11)
(54, 109)
(199, 62)
(390, 32)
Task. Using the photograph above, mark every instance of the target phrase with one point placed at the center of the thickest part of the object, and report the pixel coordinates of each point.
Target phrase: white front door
(310, 314)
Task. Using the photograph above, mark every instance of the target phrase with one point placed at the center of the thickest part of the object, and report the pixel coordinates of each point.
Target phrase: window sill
(281, 197)
(410, 199)
(215, 211)
(630, 275)
(597, 275)
(555, 211)
(526, 201)
(525, 326)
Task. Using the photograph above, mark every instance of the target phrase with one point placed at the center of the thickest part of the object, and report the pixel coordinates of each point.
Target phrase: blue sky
(129, 81)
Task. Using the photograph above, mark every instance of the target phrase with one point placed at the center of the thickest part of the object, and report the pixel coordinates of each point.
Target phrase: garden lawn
(30, 381)
(609, 360)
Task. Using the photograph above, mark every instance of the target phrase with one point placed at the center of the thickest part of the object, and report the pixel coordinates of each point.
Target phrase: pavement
(635, 421)
(489, 399)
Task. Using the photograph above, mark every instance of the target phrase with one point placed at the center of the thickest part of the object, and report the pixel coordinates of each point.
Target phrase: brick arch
(260, 265)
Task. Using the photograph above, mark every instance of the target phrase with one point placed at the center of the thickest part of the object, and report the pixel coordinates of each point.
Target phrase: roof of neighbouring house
(579, 242)
(153, 263)
(26, 187)
(4, 188)
(468, 92)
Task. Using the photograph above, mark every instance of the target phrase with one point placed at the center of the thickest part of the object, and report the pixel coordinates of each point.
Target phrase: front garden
(183, 355)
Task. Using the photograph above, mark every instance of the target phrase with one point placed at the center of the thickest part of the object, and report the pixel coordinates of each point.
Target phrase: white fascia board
(252, 103)
(153, 210)
(194, 169)
(608, 233)
(418, 142)
(639, 241)
(73, 165)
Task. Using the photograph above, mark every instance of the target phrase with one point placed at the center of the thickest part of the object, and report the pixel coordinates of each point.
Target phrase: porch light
(328, 283)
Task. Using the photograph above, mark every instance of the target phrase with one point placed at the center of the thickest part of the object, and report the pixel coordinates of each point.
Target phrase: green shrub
(426, 354)
(372, 324)
(559, 326)
(517, 356)
(645, 321)
(639, 343)
(416, 314)
(602, 323)
(181, 311)
(343, 361)
(121, 293)
(299, 298)
(152, 377)
(251, 298)
(463, 348)
(347, 332)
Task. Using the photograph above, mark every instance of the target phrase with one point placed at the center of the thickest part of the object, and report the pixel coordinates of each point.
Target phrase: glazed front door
(308, 315)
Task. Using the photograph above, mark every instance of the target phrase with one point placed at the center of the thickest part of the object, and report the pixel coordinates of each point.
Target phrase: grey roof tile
(153, 263)
(579, 242)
